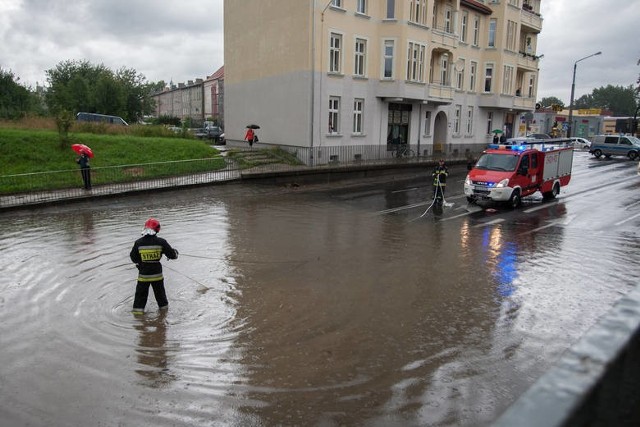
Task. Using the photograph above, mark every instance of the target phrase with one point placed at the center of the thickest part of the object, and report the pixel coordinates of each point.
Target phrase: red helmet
(153, 224)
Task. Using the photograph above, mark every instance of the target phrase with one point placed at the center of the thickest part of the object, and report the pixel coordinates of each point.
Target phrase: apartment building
(436, 74)
(197, 100)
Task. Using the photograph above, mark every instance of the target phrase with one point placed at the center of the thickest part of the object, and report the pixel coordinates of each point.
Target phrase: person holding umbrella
(83, 160)
(251, 136)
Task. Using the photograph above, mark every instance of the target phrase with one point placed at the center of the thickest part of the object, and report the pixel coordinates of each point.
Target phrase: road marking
(628, 219)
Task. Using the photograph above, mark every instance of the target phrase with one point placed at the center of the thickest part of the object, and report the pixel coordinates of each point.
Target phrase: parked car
(615, 145)
(580, 143)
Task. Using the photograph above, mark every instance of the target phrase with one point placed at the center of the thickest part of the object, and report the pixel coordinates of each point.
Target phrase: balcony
(490, 100)
(531, 20)
(524, 103)
(444, 39)
(528, 61)
(439, 94)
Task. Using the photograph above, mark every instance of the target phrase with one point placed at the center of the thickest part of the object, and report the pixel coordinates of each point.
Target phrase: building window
(334, 114)
(476, 30)
(469, 120)
(391, 9)
(489, 122)
(388, 59)
(512, 29)
(427, 123)
(531, 90)
(415, 62)
(460, 74)
(358, 111)
(336, 3)
(447, 20)
(473, 71)
(456, 120)
(418, 12)
(360, 60)
(361, 7)
(493, 23)
(444, 70)
(507, 83)
(488, 77)
(464, 23)
(335, 53)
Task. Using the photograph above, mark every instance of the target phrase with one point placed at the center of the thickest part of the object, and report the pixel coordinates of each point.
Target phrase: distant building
(197, 100)
(440, 75)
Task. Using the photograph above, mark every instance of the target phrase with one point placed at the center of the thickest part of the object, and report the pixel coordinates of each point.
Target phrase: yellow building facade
(437, 75)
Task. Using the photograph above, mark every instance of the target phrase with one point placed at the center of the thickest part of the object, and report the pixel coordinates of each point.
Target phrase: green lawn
(34, 151)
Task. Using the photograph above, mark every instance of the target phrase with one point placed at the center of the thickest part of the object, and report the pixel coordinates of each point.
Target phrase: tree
(549, 101)
(15, 99)
(621, 101)
(585, 101)
(80, 86)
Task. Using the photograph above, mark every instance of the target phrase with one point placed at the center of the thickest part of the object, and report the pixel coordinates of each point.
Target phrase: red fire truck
(507, 173)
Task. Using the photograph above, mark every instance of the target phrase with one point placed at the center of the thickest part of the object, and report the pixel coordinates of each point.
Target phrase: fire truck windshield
(497, 162)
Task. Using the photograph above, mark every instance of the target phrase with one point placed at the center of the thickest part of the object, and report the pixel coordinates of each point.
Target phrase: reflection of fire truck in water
(507, 173)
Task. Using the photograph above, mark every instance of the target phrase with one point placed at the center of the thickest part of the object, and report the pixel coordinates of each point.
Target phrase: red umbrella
(82, 149)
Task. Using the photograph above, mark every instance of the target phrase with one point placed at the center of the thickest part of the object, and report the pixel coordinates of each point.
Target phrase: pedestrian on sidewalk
(146, 254)
(250, 136)
(85, 169)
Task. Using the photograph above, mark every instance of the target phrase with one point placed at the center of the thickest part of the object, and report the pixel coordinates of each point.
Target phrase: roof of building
(476, 5)
(219, 74)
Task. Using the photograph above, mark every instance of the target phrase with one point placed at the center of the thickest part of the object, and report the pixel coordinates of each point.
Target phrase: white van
(615, 145)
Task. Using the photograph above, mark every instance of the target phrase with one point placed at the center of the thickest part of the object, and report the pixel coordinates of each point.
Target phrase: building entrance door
(398, 125)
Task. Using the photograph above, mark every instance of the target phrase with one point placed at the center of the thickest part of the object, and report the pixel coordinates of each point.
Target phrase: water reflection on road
(286, 307)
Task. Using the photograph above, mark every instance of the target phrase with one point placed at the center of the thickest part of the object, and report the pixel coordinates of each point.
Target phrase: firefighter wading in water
(146, 254)
(440, 174)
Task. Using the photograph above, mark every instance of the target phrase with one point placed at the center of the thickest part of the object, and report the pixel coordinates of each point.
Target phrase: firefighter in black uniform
(439, 174)
(146, 254)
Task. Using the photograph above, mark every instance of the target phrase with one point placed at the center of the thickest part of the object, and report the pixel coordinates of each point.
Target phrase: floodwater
(294, 307)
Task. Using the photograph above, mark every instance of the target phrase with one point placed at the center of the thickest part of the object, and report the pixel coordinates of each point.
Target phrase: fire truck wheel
(515, 199)
(550, 195)
(597, 154)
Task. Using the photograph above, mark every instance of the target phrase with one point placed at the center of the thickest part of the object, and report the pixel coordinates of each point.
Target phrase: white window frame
(360, 57)
(334, 115)
(476, 30)
(473, 75)
(512, 31)
(362, 7)
(444, 70)
(448, 20)
(488, 77)
(470, 120)
(336, 3)
(416, 54)
(489, 122)
(464, 24)
(507, 80)
(418, 12)
(456, 119)
(358, 116)
(391, 9)
(427, 123)
(335, 52)
(531, 86)
(493, 28)
(460, 75)
(388, 59)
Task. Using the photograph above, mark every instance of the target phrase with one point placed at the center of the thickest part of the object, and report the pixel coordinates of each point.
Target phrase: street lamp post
(573, 89)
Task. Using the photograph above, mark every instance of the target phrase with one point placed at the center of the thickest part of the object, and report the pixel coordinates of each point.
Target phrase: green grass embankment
(32, 151)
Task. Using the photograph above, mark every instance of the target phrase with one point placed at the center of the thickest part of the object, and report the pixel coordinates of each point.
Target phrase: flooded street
(321, 305)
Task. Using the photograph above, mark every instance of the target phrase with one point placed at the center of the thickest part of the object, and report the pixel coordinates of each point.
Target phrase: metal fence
(47, 187)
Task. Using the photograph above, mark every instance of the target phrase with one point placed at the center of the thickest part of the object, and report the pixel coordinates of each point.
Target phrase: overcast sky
(183, 40)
